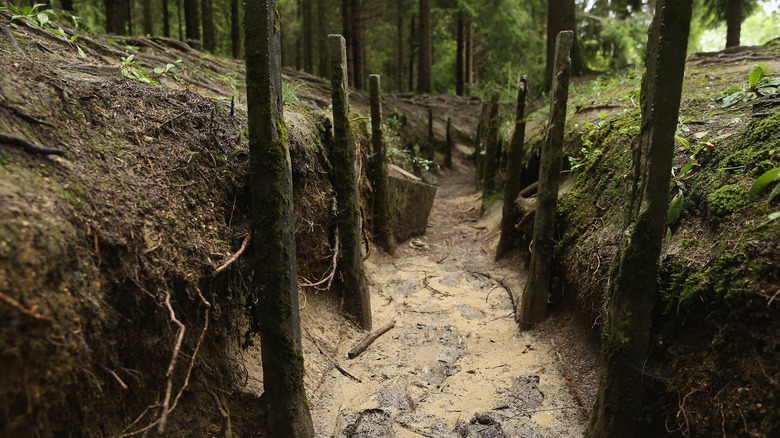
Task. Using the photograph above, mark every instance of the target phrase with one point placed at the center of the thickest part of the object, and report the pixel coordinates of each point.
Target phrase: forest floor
(455, 364)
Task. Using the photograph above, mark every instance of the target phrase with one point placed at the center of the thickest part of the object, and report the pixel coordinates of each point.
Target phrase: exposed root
(13, 303)
(236, 255)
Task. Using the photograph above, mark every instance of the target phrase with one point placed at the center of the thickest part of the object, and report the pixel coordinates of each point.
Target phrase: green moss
(725, 200)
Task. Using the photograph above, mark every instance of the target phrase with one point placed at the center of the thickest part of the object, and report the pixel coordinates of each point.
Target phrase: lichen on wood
(490, 164)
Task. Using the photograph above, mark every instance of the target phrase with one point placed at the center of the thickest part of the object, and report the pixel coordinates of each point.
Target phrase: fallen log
(362, 345)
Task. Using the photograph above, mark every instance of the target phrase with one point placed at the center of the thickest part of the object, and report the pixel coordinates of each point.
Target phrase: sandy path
(455, 365)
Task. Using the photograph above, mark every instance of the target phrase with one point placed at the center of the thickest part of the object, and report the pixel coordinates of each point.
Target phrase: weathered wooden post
(276, 274)
(357, 301)
(481, 127)
(491, 152)
(382, 219)
(632, 291)
(514, 168)
(448, 151)
(533, 306)
(431, 151)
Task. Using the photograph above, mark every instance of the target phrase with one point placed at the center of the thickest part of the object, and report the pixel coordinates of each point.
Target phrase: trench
(455, 364)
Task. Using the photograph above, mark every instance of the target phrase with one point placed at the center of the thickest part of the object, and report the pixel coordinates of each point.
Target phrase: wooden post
(382, 219)
(632, 291)
(534, 302)
(276, 311)
(491, 153)
(357, 300)
(431, 151)
(478, 145)
(514, 168)
(448, 152)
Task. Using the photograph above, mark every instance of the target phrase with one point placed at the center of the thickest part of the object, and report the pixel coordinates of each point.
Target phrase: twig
(226, 429)
(533, 411)
(121, 383)
(450, 244)
(14, 42)
(28, 117)
(500, 282)
(21, 308)
(362, 345)
(32, 148)
(236, 255)
(330, 359)
(433, 289)
(171, 366)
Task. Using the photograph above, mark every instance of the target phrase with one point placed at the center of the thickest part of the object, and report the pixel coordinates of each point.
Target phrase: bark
(733, 22)
(192, 23)
(322, 49)
(276, 275)
(358, 46)
(346, 24)
(400, 50)
(179, 8)
(491, 152)
(632, 291)
(561, 16)
(449, 146)
(147, 16)
(534, 302)
(129, 12)
(430, 152)
(382, 219)
(67, 5)
(208, 25)
(345, 181)
(412, 47)
(478, 159)
(424, 69)
(514, 168)
(166, 19)
(459, 54)
(235, 29)
(116, 16)
(469, 56)
(308, 41)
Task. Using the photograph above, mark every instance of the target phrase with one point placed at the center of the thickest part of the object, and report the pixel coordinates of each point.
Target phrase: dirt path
(455, 364)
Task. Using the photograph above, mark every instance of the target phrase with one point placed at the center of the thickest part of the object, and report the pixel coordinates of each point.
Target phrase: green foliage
(290, 92)
(763, 181)
(757, 86)
(589, 151)
(130, 70)
(675, 208)
(725, 200)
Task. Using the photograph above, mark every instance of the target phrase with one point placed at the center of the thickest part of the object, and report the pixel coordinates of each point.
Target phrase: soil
(455, 364)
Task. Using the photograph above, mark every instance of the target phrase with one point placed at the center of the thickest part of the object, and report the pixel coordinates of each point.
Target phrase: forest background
(487, 44)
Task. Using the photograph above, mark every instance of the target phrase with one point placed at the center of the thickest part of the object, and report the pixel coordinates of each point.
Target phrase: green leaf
(685, 170)
(603, 115)
(159, 70)
(42, 18)
(774, 216)
(766, 91)
(60, 32)
(733, 99)
(684, 142)
(74, 37)
(763, 181)
(81, 53)
(756, 75)
(675, 208)
(774, 193)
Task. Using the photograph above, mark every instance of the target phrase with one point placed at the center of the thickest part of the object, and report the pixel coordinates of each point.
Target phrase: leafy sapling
(758, 85)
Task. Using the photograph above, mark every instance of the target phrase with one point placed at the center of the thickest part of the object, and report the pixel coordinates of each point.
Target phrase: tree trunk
(147, 16)
(469, 57)
(430, 152)
(322, 30)
(733, 22)
(180, 7)
(116, 16)
(358, 47)
(514, 168)
(491, 152)
(357, 301)
(166, 19)
(192, 23)
(424, 69)
(400, 49)
(276, 275)
(534, 302)
(382, 219)
(346, 24)
(561, 16)
(459, 55)
(208, 25)
(308, 41)
(235, 29)
(412, 52)
(478, 159)
(129, 15)
(632, 291)
(67, 5)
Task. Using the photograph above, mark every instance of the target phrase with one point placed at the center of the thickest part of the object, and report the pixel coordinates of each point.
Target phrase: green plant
(130, 70)
(763, 181)
(725, 200)
(757, 85)
(290, 92)
(588, 150)
(692, 161)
